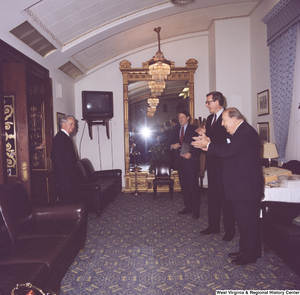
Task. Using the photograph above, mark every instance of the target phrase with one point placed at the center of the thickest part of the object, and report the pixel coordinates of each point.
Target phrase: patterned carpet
(141, 246)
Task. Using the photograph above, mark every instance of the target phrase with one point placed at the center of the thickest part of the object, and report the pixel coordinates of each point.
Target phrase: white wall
(109, 153)
(103, 152)
(260, 65)
(63, 99)
(232, 49)
(212, 58)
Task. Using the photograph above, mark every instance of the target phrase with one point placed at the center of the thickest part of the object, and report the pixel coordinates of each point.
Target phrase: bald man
(243, 180)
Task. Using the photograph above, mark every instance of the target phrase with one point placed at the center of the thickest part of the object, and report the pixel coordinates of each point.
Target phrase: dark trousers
(189, 183)
(247, 214)
(65, 188)
(217, 203)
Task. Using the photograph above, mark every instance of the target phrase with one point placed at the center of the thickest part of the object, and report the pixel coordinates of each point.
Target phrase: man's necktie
(214, 121)
(181, 135)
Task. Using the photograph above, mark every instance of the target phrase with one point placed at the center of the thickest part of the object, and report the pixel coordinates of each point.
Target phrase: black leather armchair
(280, 234)
(162, 176)
(37, 243)
(293, 166)
(97, 189)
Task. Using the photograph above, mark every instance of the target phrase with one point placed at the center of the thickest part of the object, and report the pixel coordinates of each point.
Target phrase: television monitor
(97, 105)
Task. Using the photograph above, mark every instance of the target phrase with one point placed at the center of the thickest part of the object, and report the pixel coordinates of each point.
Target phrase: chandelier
(159, 67)
(151, 111)
(157, 87)
(153, 101)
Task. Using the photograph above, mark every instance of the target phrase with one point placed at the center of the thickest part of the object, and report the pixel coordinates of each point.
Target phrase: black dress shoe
(234, 254)
(208, 231)
(184, 211)
(196, 215)
(227, 238)
(239, 261)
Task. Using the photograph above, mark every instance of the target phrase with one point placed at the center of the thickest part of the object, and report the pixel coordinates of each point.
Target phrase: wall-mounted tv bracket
(103, 122)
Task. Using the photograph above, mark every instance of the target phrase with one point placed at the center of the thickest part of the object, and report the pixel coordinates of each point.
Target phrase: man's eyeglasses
(208, 102)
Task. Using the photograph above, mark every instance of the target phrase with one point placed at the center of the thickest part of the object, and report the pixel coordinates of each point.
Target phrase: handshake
(201, 141)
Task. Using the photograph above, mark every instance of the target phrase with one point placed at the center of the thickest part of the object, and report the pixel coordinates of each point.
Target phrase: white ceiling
(91, 32)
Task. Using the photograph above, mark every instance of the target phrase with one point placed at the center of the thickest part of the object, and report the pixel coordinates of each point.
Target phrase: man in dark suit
(65, 162)
(216, 195)
(186, 164)
(243, 181)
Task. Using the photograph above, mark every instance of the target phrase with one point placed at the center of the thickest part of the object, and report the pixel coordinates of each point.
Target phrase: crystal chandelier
(159, 67)
(151, 111)
(157, 87)
(153, 101)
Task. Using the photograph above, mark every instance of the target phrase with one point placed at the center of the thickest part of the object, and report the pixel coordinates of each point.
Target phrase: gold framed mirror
(144, 179)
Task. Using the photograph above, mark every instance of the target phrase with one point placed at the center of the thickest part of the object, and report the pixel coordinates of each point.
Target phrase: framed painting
(263, 103)
(58, 117)
(263, 129)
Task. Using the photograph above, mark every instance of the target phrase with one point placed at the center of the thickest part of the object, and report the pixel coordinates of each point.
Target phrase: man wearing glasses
(216, 196)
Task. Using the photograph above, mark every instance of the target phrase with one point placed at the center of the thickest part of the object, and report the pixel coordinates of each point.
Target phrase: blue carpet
(141, 246)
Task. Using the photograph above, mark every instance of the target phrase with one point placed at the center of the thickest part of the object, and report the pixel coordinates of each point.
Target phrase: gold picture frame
(263, 103)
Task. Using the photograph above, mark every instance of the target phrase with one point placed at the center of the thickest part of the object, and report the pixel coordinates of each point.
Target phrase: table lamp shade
(270, 151)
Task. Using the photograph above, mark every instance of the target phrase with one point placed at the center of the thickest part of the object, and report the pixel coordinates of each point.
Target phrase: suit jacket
(218, 135)
(242, 173)
(64, 157)
(190, 132)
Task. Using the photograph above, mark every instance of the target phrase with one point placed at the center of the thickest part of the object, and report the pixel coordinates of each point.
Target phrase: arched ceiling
(87, 33)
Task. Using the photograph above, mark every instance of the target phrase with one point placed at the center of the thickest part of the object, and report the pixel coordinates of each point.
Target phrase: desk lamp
(270, 152)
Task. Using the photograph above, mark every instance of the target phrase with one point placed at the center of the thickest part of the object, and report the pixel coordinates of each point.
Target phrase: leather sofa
(97, 189)
(280, 234)
(37, 243)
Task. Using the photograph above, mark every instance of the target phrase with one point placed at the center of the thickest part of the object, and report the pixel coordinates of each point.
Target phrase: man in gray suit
(243, 180)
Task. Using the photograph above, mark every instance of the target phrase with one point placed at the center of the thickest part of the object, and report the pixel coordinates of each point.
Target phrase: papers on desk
(284, 183)
(292, 184)
(271, 173)
(272, 184)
